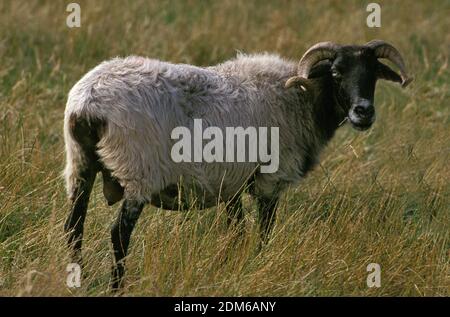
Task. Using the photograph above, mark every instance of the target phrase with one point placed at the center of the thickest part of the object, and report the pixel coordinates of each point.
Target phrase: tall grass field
(381, 196)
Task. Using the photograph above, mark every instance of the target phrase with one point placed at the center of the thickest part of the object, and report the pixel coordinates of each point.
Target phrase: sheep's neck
(328, 114)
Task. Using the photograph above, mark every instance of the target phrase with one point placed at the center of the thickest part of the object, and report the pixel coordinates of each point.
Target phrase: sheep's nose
(363, 107)
(365, 111)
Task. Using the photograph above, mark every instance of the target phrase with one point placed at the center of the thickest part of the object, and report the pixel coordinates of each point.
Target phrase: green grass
(382, 196)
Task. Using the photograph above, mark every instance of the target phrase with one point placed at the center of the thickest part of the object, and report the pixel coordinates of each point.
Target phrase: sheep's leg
(266, 215)
(120, 237)
(75, 222)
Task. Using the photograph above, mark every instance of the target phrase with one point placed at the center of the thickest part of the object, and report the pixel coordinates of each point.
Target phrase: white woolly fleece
(142, 100)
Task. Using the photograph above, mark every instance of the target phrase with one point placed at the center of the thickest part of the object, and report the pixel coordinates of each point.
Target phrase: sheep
(119, 117)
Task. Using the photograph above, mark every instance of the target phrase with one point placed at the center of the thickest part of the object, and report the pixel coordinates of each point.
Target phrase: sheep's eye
(335, 74)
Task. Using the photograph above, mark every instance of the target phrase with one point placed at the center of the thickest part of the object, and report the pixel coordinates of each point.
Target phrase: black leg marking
(120, 237)
(87, 134)
(75, 222)
(266, 216)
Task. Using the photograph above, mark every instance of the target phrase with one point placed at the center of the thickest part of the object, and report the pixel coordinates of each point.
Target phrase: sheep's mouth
(361, 126)
(361, 123)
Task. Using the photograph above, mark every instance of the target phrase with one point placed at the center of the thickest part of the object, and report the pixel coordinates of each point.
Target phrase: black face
(354, 73)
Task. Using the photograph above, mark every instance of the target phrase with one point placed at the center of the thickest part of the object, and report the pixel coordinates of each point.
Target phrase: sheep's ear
(320, 69)
(297, 81)
(385, 72)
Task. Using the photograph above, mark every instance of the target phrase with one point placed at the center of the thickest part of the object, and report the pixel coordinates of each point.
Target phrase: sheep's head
(354, 71)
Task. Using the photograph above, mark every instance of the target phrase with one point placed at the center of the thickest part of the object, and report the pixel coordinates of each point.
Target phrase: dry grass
(380, 196)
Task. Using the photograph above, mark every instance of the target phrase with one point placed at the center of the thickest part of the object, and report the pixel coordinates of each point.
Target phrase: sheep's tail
(81, 135)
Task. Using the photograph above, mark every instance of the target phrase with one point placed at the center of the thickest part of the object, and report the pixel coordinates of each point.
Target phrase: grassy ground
(382, 196)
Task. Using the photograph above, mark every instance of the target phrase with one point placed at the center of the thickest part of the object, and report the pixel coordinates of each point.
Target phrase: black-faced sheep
(120, 116)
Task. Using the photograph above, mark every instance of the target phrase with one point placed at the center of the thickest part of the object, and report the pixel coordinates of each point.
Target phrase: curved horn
(383, 49)
(298, 81)
(317, 53)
